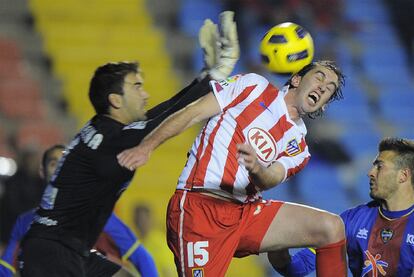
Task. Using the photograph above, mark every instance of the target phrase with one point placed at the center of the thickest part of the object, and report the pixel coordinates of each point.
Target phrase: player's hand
(228, 49)
(228, 36)
(134, 157)
(208, 38)
(246, 156)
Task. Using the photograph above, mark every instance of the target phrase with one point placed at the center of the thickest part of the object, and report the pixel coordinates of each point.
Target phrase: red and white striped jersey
(254, 112)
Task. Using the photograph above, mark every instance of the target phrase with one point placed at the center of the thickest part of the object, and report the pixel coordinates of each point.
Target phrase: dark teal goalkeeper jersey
(88, 180)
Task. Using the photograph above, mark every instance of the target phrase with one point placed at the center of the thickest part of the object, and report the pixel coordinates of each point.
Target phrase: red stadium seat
(41, 134)
(9, 50)
(21, 99)
(19, 88)
(10, 59)
(10, 69)
(21, 110)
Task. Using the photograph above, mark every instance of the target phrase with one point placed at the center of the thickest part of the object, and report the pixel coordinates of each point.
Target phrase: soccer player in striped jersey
(117, 242)
(380, 234)
(253, 140)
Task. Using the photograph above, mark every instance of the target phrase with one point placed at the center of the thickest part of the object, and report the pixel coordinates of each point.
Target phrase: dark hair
(48, 152)
(404, 149)
(337, 95)
(108, 79)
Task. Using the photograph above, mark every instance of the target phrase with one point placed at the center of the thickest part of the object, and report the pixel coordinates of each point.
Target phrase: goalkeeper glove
(208, 38)
(228, 48)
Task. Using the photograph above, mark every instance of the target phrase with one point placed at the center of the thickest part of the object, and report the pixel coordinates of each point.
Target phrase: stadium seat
(318, 185)
(321, 186)
(343, 54)
(383, 55)
(10, 59)
(357, 11)
(354, 106)
(194, 12)
(389, 75)
(39, 133)
(23, 109)
(19, 88)
(381, 33)
(20, 99)
(405, 131)
(360, 140)
(11, 69)
(397, 104)
(9, 50)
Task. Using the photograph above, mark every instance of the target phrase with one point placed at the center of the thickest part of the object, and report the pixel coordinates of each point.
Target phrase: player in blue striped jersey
(380, 234)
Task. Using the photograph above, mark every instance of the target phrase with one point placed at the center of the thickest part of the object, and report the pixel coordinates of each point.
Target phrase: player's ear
(115, 100)
(324, 107)
(295, 81)
(403, 175)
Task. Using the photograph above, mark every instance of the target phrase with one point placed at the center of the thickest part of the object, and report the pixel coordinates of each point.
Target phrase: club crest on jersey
(386, 235)
(293, 148)
(198, 272)
(263, 143)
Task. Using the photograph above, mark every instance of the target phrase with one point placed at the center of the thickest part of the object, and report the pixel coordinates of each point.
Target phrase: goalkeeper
(88, 180)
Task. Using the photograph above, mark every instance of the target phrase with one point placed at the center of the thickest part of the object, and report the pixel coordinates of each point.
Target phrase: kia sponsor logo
(263, 143)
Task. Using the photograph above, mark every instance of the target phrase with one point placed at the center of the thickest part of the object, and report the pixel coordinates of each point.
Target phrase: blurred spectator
(22, 191)
(154, 240)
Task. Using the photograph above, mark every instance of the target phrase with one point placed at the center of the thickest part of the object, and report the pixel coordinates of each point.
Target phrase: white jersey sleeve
(228, 90)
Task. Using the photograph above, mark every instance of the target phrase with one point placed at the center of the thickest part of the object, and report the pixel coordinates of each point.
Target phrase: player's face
(134, 98)
(52, 163)
(315, 89)
(383, 176)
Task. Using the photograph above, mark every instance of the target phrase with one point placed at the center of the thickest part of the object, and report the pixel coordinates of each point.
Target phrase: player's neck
(292, 108)
(399, 202)
(293, 113)
(115, 117)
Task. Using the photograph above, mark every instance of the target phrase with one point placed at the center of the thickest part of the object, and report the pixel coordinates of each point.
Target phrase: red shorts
(205, 233)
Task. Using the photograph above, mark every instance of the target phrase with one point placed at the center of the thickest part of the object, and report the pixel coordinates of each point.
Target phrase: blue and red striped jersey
(379, 243)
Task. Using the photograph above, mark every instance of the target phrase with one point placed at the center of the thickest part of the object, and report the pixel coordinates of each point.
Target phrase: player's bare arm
(198, 111)
(263, 177)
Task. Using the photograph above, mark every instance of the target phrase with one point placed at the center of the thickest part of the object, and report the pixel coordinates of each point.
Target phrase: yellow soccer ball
(286, 48)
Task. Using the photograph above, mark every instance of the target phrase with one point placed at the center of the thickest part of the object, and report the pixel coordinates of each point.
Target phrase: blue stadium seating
(397, 105)
(354, 106)
(360, 140)
(321, 187)
(194, 12)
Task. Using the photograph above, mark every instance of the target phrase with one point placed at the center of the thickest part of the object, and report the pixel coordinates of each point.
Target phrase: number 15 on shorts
(197, 253)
